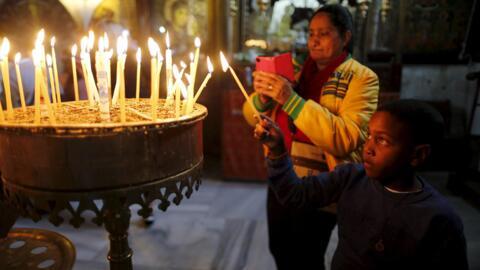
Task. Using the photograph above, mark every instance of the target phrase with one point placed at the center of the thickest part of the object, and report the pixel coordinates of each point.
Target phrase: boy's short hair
(425, 122)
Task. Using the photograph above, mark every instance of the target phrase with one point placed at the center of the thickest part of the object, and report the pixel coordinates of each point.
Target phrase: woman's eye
(323, 34)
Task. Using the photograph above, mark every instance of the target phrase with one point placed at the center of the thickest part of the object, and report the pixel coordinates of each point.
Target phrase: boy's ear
(420, 154)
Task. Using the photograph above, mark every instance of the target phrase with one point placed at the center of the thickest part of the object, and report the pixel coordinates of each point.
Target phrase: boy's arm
(445, 245)
(308, 192)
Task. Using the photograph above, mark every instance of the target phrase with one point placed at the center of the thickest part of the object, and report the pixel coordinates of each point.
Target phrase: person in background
(324, 118)
(389, 217)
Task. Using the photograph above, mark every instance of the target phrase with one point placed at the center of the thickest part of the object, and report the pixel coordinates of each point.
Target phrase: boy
(388, 217)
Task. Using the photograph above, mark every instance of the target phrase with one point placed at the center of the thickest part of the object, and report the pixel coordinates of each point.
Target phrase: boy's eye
(381, 141)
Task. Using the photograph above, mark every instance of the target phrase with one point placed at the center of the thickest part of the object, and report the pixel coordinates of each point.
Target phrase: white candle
(177, 91)
(168, 66)
(83, 60)
(36, 63)
(52, 82)
(193, 74)
(18, 56)
(74, 72)
(6, 76)
(102, 80)
(204, 83)
(55, 71)
(139, 63)
(226, 66)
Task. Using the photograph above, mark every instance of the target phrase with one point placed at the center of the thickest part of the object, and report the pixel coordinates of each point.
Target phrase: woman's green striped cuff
(260, 106)
(294, 105)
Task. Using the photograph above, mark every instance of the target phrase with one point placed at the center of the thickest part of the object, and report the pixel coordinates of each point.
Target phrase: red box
(280, 64)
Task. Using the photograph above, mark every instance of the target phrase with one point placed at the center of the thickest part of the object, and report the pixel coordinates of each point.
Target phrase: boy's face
(388, 150)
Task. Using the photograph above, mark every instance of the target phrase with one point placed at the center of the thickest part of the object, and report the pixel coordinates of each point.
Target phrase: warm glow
(52, 41)
(209, 65)
(91, 40)
(125, 33)
(162, 30)
(167, 41)
(197, 42)
(190, 55)
(49, 60)
(160, 56)
(224, 62)
(18, 56)
(152, 47)
(139, 55)
(182, 64)
(74, 50)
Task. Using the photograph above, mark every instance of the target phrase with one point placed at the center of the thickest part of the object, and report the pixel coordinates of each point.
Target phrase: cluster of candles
(178, 93)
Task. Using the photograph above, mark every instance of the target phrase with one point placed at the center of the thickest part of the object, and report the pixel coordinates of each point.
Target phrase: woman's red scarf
(309, 87)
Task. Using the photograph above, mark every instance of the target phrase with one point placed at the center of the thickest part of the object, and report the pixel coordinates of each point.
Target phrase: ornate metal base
(114, 211)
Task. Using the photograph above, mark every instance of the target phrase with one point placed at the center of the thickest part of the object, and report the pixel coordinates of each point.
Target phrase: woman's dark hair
(425, 122)
(341, 19)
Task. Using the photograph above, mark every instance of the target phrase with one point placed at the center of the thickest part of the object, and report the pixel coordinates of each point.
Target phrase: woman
(324, 117)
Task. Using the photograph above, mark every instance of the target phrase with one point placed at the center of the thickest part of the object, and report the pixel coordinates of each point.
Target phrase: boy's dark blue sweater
(377, 229)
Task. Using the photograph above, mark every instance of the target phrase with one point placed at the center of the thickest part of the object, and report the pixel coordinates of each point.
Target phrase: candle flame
(121, 45)
(160, 56)
(197, 42)
(5, 47)
(52, 41)
(41, 36)
(110, 54)
(106, 41)
(224, 62)
(18, 56)
(74, 50)
(49, 60)
(125, 33)
(36, 60)
(209, 65)
(152, 46)
(91, 40)
(167, 40)
(83, 44)
(101, 44)
(191, 56)
(175, 71)
(139, 55)
(162, 30)
(182, 64)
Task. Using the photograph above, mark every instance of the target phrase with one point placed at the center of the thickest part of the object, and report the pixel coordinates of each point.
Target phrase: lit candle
(52, 82)
(204, 83)
(36, 63)
(226, 66)
(177, 91)
(45, 96)
(102, 81)
(168, 67)
(18, 56)
(55, 71)
(153, 48)
(139, 63)
(193, 74)
(74, 72)
(107, 63)
(6, 75)
(121, 50)
(91, 40)
(83, 60)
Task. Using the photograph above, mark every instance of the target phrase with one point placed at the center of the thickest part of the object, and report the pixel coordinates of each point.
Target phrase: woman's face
(324, 41)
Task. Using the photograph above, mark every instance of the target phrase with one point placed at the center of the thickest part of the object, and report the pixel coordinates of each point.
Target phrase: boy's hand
(270, 135)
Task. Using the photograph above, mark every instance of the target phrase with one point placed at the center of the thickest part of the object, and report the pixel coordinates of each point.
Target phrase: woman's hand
(272, 85)
(269, 133)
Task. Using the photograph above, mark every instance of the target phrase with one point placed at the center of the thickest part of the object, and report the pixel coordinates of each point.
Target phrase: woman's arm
(343, 132)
